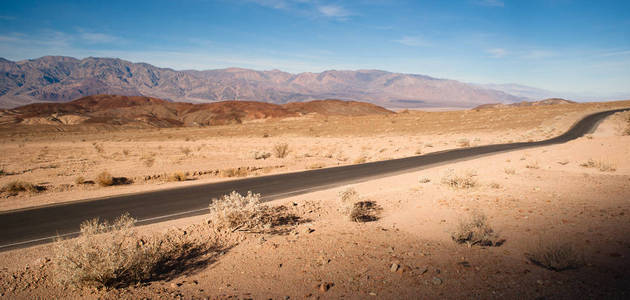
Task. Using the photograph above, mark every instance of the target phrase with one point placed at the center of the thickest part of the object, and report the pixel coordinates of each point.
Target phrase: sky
(559, 45)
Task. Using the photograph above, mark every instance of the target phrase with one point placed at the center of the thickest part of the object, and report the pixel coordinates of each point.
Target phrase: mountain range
(62, 79)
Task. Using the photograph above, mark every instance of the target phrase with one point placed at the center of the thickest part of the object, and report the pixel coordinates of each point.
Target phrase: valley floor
(574, 194)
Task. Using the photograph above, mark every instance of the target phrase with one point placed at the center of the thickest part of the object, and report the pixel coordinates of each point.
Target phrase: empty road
(26, 227)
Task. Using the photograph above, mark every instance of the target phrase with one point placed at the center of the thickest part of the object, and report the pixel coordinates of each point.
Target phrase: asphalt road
(26, 227)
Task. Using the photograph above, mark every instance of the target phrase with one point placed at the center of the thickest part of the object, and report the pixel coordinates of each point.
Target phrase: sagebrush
(465, 180)
(475, 231)
(115, 255)
(246, 213)
(556, 256)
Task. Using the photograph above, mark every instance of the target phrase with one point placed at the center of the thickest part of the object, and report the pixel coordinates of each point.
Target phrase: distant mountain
(61, 79)
(523, 91)
(141, 110)
(550, 101)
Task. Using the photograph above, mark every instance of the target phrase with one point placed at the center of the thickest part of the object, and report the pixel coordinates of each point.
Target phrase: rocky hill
(550, 101)
(120, 110)
(62, 79)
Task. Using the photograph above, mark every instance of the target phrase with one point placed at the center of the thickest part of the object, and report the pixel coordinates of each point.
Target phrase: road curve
(26, 227)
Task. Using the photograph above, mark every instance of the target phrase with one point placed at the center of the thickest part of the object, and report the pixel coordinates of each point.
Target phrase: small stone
(325, 286)
(436, 281)
(539, 282)
(394, 267)
(372, 294)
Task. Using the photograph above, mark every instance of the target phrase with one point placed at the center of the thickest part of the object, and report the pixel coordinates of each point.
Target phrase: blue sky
(561, 45)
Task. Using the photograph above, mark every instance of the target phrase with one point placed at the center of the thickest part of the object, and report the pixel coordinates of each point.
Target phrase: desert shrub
(460, 181)
(602, 165)
(555, 256)
(281, 150)
(532, 165)
(115, 255)
(463, 143)
(475, 231)
(234, 172)
(178, 176)
(317, 166)
(358, 210)
(261, 155)
(17, 186)
(125, 152)
(98, 147)
(79, 180)
(236, 211)
(509, 171)
(185, 150)
(424, 180)
(105, 179)
(360, 160)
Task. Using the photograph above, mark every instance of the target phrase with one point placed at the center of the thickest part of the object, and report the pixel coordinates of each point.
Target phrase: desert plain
(567, 201)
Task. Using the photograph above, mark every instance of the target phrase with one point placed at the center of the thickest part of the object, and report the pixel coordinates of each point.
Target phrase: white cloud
(497, 52)
(413, 41)
(334, 11)
(492, 3)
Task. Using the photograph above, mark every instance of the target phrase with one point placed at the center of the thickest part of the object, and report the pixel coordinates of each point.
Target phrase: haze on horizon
(559, 45)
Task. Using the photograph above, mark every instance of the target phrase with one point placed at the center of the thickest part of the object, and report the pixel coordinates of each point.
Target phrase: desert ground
(558, 214)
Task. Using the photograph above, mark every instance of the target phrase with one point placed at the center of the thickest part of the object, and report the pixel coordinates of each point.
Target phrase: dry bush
(17, 186)
(463, 143)
(98, 147)
(185, 150)
(317, 166)
(460, 181)
(509, 171)
(555, 256)
(357, 209)
(602, 165)
(115, 255)
(424, 180)
(532, 165)
(105, 179)
(495, 185)
(125, 152)
(360, 160)
(475, 231)
(79, 180)
(261, 155)
(178, 176)
(246, 213)
(281, 150)
(234, 172)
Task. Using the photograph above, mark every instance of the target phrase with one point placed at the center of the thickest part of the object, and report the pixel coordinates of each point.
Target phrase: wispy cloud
(497, 52)
(491, 3)
(334, 11)
(308, 7)
(615, 53)
(413, 41)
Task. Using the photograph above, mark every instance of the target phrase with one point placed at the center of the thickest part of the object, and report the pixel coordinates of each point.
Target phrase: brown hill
(550, 101)
(119, 110)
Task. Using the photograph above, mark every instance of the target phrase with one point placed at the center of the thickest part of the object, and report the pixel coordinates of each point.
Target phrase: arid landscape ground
(555, 207)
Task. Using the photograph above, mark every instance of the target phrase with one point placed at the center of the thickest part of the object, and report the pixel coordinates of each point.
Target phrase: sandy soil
(55, 157)
(531, 198)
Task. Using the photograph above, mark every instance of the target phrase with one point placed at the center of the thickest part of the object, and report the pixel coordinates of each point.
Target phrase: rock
(436, 281)
(325, 286)
(394, 267)
(422, 270)
(372, 294)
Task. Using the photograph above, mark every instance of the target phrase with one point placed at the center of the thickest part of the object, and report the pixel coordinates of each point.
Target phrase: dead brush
(18, 186)
(555, 256)
(281, 150)
(178, 176)
(105, 179)
(358, 210)
(475, 231)
(455, 180)
(115, 255)
(246, 213)
(601, 165)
